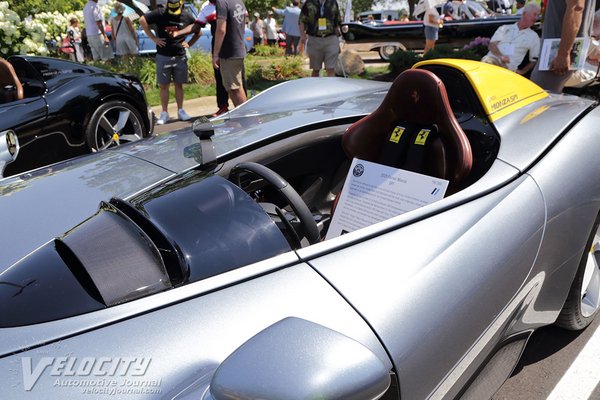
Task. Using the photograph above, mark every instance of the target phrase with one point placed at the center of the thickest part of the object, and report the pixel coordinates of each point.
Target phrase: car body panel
(530, 133)
(46, 192)
(405, 264)
(191, 354)
(435, 293)
(500, 91)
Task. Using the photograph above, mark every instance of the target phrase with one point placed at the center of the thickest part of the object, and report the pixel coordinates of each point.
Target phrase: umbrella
(422, 5)
(130, 12)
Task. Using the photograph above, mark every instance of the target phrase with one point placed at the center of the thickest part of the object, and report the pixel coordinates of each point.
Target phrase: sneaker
(221, 110)
(164, 117)
(183, 115)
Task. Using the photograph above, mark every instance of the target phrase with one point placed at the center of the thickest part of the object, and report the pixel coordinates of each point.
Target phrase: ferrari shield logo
(397, 134)
(422, 137)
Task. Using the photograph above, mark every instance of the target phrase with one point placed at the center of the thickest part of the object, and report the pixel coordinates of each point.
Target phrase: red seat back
(417, 97)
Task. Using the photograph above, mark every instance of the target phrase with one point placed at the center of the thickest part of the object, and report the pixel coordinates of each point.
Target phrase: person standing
(123, 33)
(74, 35)
(519, 4)
(229, 50)
(567, 20)
(257, 27)
(94, 29)
(320, 23)
(171, 59)
(271, 29)
(208, 15)
(290, 27)
(433, 23)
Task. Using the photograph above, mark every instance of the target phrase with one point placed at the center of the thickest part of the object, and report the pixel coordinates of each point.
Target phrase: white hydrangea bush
(11, 34)
(40, 35)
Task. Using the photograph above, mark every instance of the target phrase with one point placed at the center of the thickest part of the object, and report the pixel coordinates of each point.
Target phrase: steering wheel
(305, 217)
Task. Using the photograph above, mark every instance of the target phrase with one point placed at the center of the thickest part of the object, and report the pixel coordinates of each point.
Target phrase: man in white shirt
(94, 29)
(510, 43)
(271, 29)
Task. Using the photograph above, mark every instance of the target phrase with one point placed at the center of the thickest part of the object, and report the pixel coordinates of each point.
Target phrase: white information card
(373, 192)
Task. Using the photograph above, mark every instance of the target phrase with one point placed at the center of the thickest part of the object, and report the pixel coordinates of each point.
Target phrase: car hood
(308, 102)
(41, 204)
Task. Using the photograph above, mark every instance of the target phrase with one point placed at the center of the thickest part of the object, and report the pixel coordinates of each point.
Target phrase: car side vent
(170, 253)
(77, 269)
(118, 256)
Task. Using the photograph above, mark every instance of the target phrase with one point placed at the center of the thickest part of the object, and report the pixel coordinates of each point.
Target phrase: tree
(359, 6)
(25, 8)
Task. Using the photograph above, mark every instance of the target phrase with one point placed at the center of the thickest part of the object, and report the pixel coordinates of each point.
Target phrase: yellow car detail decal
(499, 90)
(422, 137)
(397, 134)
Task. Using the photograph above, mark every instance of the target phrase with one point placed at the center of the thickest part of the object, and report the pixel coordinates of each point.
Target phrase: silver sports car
(209, 264)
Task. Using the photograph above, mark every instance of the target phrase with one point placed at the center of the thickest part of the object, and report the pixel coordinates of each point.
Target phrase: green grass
(256, 84)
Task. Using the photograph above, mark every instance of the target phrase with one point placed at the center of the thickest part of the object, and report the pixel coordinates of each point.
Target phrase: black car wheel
(385, 52)
(113, 123)
(583, 301)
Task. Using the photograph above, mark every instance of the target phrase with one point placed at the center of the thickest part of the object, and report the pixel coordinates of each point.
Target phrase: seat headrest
(417, 97)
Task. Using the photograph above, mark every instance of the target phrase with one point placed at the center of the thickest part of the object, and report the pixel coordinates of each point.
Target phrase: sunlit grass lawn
(192, 91)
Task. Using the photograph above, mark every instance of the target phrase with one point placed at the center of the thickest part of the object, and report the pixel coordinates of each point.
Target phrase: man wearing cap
(257, 27)
(320, 23)
(271, 29)
(229, 50)
(171, 59)
(208, 15)
(519, 4)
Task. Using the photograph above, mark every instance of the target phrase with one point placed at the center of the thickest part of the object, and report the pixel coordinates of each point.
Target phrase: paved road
(557, 365)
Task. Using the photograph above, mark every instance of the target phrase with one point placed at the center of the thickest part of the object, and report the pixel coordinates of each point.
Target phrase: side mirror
(298, 359)
(9, 149)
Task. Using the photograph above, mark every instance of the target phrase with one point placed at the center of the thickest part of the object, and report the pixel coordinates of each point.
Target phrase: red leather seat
(10, 86)
(417, 98)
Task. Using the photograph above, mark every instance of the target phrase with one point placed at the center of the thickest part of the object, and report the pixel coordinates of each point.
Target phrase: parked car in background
(471, 19)
(197, 264)
(59, 109)
(379, 15)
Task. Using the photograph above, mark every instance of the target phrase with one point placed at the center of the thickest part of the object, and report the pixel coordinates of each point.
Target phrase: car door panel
(420, 286)
(26, 117)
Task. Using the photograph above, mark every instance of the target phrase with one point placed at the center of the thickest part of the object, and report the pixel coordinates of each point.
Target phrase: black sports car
(59, 109)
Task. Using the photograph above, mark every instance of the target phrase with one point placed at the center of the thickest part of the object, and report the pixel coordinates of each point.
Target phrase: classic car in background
(194, 265)
(59, 109)
(471, 19)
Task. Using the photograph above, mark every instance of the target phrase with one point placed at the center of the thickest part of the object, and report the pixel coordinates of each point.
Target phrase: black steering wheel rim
(311, 230)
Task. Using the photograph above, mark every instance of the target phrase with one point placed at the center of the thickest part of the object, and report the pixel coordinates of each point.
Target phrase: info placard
(373, 192)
